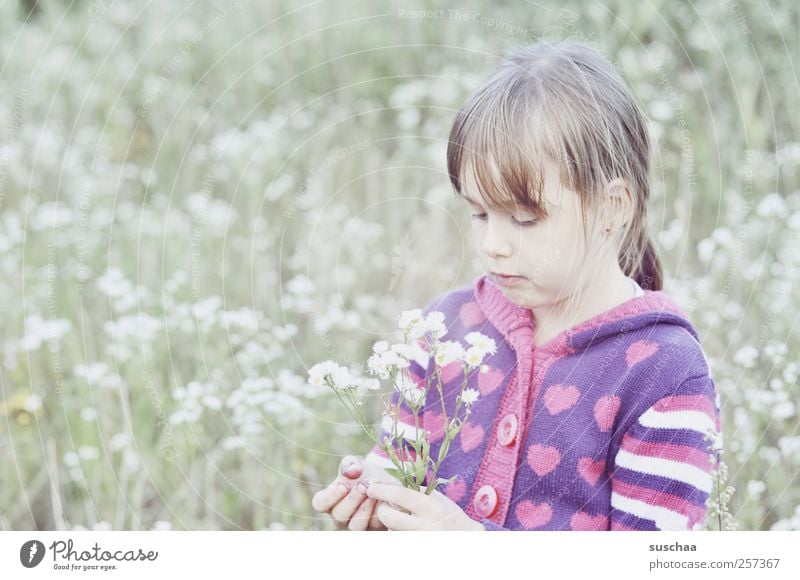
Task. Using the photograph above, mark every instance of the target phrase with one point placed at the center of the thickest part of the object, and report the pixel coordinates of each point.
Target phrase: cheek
(478, 233)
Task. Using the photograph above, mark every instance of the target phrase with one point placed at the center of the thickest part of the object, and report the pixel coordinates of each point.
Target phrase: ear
(619, 203)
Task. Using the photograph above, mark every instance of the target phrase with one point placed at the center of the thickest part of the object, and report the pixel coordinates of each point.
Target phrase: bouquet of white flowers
(422, 341)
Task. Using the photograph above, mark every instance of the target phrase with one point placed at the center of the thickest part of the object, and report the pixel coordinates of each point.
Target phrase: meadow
(199, 201)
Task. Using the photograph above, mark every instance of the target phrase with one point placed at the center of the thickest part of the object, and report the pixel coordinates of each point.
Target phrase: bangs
(492, 138)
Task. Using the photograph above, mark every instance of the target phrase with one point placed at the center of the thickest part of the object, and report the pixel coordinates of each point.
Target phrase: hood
(517, 324)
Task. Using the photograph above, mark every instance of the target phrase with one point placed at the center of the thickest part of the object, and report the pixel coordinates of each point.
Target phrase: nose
(495, 244)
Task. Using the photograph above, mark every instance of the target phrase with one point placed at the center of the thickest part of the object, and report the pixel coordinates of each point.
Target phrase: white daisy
(320, 371)
(434, 323)
(469, 396)
(332, 375)
(404, 350)
(384, 363)
(342, 379)
(473, 357)
(408, 318)
(447, 352)
(481, 342)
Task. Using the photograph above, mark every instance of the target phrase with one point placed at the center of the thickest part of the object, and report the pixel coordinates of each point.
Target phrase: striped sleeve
(406, 424)
(663, 469)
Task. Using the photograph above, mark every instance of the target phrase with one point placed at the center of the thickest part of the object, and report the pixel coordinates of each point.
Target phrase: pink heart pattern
(533, 515)
(434, 424)
(559, 398)
(451, 371)
(543, 459)
(456, 489)
(590, 470)
(640, 350)
(471, 314)
(489, 381)
(471, 436)
(605, 411)
(584, 521)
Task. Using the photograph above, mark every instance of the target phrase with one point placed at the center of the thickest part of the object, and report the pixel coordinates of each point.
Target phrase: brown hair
(565, 102)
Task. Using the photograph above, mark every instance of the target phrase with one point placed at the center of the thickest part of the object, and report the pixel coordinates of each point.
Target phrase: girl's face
(542, 258)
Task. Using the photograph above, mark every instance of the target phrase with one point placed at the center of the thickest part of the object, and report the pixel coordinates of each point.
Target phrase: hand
(427, 512)
(345, 498)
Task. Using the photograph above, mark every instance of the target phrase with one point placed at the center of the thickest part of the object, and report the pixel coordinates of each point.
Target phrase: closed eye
(521, 223)
(525, 223)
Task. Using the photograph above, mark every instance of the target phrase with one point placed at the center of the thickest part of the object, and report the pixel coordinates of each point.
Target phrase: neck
(606, 292)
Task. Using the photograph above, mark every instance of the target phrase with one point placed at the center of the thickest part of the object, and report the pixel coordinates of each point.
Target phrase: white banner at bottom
(329, 555)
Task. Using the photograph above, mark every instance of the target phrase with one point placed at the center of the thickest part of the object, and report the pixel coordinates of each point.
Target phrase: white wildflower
(447, 352)
(342, 379)
(404, 350)
(380, 346)
(88, 452)
(383, 364)
(38, 331)
(419, 355)
(370, 384)
(409, 318)
(434, 323)
(473, 357)
(114, 284)
(320, 371)
(746, 356)
(409, 390)
(330, 374)
(481, 342)
(32, 403)
(469, 396)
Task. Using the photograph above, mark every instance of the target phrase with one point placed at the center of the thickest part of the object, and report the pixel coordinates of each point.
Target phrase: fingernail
(362, 487)
(343, 486)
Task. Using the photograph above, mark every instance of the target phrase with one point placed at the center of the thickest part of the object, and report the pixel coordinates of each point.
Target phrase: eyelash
(524, 224)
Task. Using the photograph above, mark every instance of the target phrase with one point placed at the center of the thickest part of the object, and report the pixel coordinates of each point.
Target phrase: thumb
(351, 467)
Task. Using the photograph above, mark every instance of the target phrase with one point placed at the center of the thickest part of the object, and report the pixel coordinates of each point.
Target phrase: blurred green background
(200, 200)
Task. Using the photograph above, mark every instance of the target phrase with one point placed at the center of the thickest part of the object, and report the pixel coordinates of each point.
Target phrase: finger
(374, 523)
(360, 519)
(326, 498)
(350, 466)
(396, 520)
(345, 509)
(398, 495)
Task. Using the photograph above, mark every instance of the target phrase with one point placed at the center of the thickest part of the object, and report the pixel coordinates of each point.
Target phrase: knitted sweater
(600, 428)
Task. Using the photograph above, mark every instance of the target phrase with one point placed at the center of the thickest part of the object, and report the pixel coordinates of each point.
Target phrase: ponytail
(648, 275)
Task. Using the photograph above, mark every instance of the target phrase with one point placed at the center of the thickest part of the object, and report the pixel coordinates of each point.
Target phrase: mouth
(507, 280)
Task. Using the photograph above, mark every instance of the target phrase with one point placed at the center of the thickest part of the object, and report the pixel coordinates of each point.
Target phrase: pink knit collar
(511, 319)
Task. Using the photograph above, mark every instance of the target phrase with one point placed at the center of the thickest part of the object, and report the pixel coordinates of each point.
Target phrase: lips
(506, 280)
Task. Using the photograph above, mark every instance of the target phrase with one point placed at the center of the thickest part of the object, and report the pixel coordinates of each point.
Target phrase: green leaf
(394, 472)
(441, 480)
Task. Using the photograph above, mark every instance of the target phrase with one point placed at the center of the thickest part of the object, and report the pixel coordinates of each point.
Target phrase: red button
(485, 502)
(507, 430)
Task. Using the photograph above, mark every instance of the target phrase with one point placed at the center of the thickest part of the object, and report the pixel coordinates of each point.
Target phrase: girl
(597, 410)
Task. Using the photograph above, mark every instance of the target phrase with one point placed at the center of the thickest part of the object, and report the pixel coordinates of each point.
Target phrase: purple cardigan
(600, 428)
